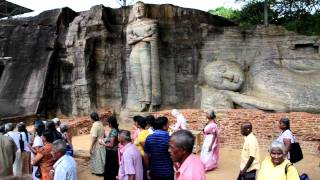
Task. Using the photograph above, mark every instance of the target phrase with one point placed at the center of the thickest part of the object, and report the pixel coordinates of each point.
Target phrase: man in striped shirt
(157, 158)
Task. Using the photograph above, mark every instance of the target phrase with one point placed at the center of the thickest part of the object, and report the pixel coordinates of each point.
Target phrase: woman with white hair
(276, 166)
(181, 120)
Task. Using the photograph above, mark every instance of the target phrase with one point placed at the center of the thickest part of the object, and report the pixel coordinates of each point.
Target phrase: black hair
(39, 127)
(150, 120)
(49, 136)
(2, 129)
(22, 128)
(137, 118)
(160, 122)
(112, 120)
(94, 116)
(51, 126)
(286, 122)
(142, 123)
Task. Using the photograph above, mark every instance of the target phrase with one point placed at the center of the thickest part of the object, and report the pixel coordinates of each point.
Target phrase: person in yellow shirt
(142, 136)
(275, 166)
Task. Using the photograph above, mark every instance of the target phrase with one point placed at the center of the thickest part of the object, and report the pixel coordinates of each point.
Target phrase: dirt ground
(228, 167)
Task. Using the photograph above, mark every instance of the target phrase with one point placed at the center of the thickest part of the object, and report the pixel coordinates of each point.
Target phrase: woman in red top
(43, 156)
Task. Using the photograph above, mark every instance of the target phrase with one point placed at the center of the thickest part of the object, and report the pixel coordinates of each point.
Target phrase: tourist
(67, 137)
(130, 166)
(189, 165)
(25, 140)
(141, 139)
(143, 134)
(44, 158)
(286, 136)
(157, 157)
(150, 121)
(136, 129)
(111, 166)
(65, 167)
(276, 166)
(7, 155)
(15, 136)
(97, 151)
(181, 122)
(250, 154)
(51, 126)
(211, 144)
(39, 128)
(57, 122)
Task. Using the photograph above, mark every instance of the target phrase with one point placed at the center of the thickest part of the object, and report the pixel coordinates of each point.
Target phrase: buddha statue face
(139, 10)
(224, 75)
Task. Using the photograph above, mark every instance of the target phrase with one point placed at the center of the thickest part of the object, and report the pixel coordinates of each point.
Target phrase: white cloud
(81, 5)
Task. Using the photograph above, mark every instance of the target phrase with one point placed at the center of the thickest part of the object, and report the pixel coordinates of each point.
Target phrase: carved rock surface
(73, 63)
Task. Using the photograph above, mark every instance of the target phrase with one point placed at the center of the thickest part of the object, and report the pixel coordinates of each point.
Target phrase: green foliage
(302, 16)
(227, 13)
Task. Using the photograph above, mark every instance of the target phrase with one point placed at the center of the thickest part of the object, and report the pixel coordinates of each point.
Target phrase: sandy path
(228, 166)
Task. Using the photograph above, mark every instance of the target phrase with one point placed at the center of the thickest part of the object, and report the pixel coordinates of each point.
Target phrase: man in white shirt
(65, 167)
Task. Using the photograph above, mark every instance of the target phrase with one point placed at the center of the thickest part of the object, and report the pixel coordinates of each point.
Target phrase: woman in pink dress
(211, 144)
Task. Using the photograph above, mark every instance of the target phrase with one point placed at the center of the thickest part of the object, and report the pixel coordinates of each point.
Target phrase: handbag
(295, 152)
(37, 174)
(247, 175)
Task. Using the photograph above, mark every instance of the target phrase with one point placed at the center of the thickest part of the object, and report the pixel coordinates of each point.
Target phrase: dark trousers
(251, 175)
(162, 177)
(111, 167)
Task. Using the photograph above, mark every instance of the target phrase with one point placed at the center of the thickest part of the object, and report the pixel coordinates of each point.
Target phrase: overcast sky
(81, 5)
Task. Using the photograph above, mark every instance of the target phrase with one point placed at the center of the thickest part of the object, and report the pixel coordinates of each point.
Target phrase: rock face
(30, 47)
(73, 63)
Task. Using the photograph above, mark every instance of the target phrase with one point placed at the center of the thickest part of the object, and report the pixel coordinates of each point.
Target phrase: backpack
(303, 176)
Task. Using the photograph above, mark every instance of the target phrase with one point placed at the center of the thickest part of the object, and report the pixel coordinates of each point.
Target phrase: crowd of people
(154, 150)
(46, 152)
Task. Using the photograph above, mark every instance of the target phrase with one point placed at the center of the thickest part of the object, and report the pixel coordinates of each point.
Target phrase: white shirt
(65, 168)
(287, 134)
(151, 130)
(15, 136)
(181, 123)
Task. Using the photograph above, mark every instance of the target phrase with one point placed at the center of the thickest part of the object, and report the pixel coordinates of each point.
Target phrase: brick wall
(305, 126)
(82, 125)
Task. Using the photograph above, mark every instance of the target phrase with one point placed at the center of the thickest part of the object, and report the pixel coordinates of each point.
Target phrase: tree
(227, 13)
(302, 16)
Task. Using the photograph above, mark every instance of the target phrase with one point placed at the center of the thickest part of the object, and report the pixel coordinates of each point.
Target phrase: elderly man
(190, 166)
(15, 136)
(65, 167)
(7, 155)
(250, 154)
(130, 167)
